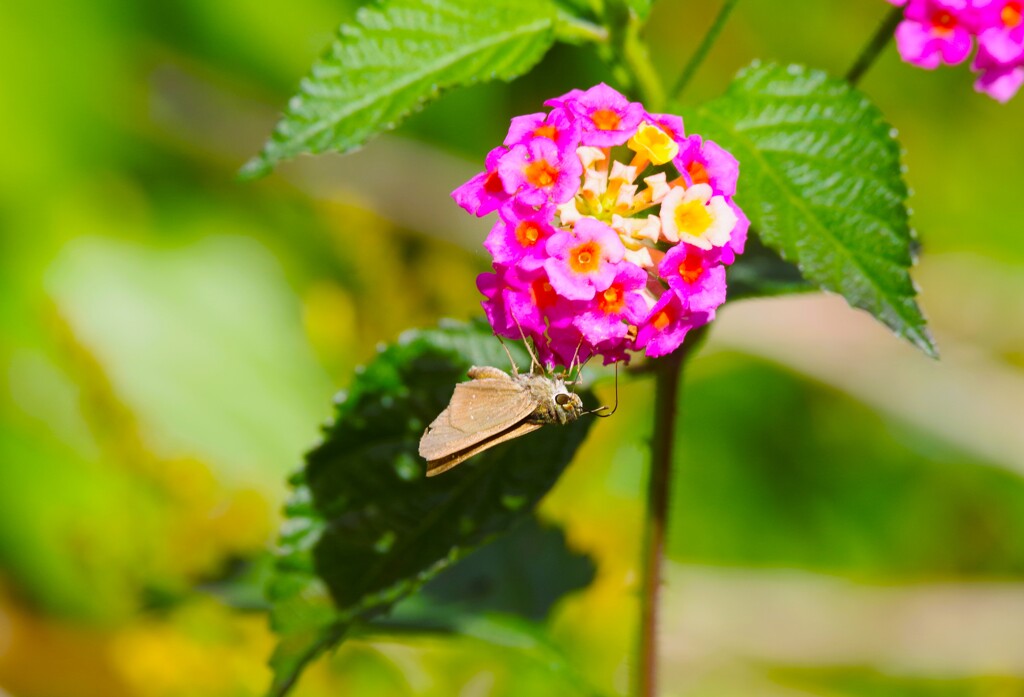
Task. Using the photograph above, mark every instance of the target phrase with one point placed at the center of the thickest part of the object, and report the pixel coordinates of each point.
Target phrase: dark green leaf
(822, 184)
(523, 573)
(760, 272)
(500, 594)
(395, 57)
(623, 8)
(365, 527)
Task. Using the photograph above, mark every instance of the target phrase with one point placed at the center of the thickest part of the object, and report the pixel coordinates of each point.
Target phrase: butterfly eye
(561, 399)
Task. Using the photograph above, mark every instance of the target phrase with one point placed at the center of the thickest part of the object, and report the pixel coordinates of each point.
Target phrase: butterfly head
(567, 405)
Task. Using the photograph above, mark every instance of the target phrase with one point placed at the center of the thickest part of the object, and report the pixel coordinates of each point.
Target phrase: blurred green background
(848, 516)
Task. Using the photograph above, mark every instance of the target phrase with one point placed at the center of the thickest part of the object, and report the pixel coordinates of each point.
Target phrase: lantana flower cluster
(944, 31)
(614, 228)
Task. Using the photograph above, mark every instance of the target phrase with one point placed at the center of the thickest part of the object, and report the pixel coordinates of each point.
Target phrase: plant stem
(638, 59)
(573, 30)
(667, 374)
(702, 50)
(629, 50)
(875, 45)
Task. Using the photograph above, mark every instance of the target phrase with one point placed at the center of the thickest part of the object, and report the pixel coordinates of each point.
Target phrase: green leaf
(365, 527)
(623, 8)
(821, 182)
(576, 8)
(511, 634)
(501, 594)
(523, 573)
(760, 272)
(642, 8)
(395, 57)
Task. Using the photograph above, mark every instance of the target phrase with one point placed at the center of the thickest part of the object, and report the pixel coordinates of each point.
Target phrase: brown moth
(491, 408)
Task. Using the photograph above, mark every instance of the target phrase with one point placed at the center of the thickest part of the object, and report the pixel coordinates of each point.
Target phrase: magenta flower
(607, 118)
(563, 101)
(602, 251)
(615, 308)
(614, 351)
(942, 31)
(666, 326)
(998, 80)
(520, 236)
(934, 32)
(557, 127)
(1001, 35)
(518, 302)
(537, 172)
(738, 236)
(705, 162)
(484, 193)
(567, 345)
(500, 296)
(583, 262)
(695, 275)
(670, 123)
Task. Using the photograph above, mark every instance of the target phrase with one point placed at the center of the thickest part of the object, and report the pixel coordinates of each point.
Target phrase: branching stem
(573, 30)
(873, 48)
(702, 50)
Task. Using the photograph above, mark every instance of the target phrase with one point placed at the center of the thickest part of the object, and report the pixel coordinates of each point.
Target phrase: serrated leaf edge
(919, 336)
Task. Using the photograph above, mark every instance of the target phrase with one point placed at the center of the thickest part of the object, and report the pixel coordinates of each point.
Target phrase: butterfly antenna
(575, 358)
(515, 368)
(534, 363)
(597, 412)
(579, 370)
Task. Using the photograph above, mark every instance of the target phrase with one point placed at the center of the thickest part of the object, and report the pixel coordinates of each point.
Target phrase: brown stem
(878, 41)
(667, 375)
(668, 372)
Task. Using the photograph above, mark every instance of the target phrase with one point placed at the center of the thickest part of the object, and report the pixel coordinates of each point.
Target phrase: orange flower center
(661, 320)
(698, 174)
(546, 131)
(612, 300)
(527, 233)
(1012, 14)
(541, 174)
(691, 268)
(586, 258)
(943, 23)
(692, 218)
(605, 119)
(542, 294)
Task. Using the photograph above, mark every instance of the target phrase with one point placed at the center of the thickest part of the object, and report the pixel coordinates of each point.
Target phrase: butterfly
(493, 407)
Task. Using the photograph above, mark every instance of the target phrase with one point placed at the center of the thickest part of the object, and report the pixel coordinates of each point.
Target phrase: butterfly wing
(478, 410)
(445, 463)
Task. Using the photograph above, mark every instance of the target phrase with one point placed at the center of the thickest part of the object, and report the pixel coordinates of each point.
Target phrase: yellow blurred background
(848, 517)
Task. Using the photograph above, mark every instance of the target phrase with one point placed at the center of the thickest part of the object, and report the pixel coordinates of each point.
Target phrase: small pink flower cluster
(614, 228)
(942, 31)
